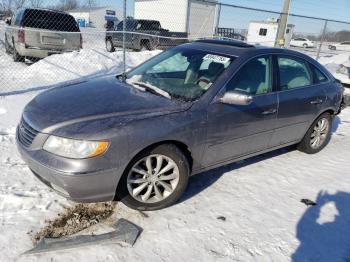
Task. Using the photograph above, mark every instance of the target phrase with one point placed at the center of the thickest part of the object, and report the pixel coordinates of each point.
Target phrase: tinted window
(120, 26)
(50, 20)
(293, 73)
(318, 75)
(130, 25)
(263, 31)
(254, 78)
(18, 18)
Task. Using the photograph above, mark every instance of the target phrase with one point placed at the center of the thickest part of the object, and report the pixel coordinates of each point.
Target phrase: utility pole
(322, 39)
(124, 29)
(282, 25)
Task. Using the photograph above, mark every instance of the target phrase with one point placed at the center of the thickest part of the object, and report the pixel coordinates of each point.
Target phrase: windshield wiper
(152, 89)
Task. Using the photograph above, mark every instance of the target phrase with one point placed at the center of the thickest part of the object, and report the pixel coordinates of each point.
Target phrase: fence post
(218, 14)
(124, 29)
(322, 39)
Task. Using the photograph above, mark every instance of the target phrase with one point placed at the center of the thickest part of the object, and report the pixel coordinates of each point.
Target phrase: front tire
(145, 46)
(305, 46)
(7, 46)
(110, 46)
(318, 135)
(154, 179)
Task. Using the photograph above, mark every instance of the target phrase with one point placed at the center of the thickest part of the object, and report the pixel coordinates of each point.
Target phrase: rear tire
(318, 135)
(16, 56)
(145, 46)
(7, 46)
(159, 195)
(110, 46)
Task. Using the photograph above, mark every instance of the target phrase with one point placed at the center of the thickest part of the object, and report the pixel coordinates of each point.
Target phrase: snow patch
(328, 213)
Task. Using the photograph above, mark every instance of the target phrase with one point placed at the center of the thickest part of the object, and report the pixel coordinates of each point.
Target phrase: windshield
(184, 74)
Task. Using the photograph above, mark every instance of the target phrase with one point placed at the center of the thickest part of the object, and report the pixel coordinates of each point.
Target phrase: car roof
(43, 9)
(233, 47)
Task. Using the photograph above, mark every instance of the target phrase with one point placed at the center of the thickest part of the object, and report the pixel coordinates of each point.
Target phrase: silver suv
(38, 33)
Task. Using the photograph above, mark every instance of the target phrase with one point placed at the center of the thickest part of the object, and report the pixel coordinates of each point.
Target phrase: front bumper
(94, 186)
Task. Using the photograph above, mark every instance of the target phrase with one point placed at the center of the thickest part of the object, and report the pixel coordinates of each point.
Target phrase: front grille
(26, 133)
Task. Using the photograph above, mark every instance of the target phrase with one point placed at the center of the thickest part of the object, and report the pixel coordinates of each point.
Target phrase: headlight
(72, 148)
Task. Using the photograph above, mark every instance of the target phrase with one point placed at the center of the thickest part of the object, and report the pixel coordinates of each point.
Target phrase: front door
(238, 130)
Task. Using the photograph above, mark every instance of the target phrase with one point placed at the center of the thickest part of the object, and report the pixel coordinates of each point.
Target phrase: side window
(293, 73)
(130, 25)
(120, 26)
(263, 31)
(319, 77)
(18, 18)
(254, 78)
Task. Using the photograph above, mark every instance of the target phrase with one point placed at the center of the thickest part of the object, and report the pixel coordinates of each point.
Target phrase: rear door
(238, 130)
(300, 99)
(51, 30)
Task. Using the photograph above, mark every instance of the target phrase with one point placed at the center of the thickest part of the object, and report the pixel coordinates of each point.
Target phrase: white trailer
(197, 18)
(265, 33)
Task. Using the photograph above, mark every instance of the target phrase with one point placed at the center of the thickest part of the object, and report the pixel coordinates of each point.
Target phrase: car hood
(104, 97)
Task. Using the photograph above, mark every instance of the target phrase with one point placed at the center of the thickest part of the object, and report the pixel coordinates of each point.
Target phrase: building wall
(97, 17)
(254, 37)
(202, 19)
(171, 14)
(82, 15)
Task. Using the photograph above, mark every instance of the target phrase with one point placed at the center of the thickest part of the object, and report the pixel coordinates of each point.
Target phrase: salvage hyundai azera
(137, 137)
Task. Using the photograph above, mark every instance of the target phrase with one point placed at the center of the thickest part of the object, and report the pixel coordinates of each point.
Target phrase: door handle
(316, 102)
(269, 111)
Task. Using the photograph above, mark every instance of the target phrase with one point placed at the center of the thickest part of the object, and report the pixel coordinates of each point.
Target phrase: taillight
(81, 41)
(21, 36)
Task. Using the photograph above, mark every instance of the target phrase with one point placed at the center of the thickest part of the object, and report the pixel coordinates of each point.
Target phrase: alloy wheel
(153, 178)
(109, 46)
(320, 133)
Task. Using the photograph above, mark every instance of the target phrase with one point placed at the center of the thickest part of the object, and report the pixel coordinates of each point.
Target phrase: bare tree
(36, 3)
(90, 3)
(17, 4)
(6, 7)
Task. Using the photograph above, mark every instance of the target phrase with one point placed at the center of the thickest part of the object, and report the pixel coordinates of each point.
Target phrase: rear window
(50, 20)
(319, 77)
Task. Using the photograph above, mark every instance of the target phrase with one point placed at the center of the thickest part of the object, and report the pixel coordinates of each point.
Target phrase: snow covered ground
(259, 199)
(248, 211)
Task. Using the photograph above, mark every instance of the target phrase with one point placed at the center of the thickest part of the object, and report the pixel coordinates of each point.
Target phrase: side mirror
(236, 98)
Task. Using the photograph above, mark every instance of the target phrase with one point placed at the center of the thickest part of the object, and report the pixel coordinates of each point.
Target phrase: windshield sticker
(216, 58)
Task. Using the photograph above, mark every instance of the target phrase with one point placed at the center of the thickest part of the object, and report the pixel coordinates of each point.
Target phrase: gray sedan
(139, 136)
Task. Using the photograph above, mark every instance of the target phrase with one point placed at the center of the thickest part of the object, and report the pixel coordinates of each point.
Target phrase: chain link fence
(43, 44)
